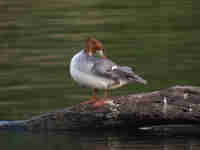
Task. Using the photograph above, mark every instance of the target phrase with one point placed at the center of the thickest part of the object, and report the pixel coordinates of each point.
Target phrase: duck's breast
(81, 72)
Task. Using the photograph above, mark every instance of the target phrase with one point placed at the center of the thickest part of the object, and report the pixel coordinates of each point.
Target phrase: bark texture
(175, 105)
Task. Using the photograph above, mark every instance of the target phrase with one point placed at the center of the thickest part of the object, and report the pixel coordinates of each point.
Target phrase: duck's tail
(130, 75)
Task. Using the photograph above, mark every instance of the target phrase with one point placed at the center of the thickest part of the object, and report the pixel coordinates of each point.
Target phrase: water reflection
(96, 141)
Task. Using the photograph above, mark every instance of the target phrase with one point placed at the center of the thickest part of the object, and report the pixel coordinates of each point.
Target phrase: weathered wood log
(175, 105)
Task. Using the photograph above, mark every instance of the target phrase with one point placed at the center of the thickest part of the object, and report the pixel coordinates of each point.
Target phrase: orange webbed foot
(92, 100)
(99, 103)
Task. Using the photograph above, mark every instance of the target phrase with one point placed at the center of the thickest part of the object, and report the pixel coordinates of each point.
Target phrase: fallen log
(175, 105)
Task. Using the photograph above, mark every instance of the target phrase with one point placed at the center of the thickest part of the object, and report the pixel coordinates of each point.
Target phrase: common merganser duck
(100, 72)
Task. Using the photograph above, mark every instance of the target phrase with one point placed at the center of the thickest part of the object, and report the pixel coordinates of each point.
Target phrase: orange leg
(92, 99)
(102, 101)
(106, 94)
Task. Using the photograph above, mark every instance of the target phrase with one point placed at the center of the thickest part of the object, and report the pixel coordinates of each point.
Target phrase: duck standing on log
(100, 72)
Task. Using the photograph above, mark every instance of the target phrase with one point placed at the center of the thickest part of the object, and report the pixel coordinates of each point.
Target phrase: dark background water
(160, 38)
(96, 141)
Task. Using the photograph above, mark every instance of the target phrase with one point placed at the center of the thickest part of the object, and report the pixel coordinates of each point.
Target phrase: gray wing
(109, 69)
(105, 68)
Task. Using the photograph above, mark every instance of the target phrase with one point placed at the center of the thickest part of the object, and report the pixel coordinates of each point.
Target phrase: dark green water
(95, 141)
(38, 38)
(160, 38)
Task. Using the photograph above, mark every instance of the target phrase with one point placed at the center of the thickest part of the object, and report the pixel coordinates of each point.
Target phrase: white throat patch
(114, 67)
(90, 53)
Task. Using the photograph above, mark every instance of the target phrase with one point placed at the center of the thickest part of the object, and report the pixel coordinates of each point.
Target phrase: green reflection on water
(38, 38)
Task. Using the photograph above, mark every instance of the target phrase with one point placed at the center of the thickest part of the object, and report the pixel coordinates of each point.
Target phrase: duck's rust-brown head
(93, 45)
